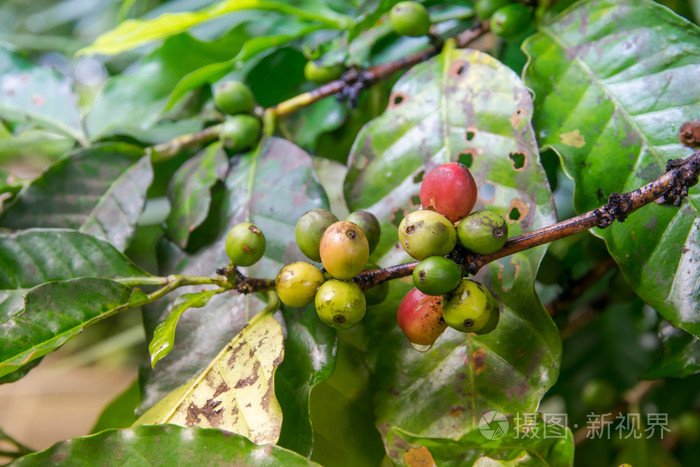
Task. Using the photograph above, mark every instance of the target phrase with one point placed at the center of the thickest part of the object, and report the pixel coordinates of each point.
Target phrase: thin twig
(579, 287)
(352, 83)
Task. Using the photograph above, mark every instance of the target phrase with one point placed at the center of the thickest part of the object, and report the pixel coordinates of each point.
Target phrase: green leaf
(189, 192)
(272, 188)
(100, 191)
(680, 357)
(164, 334)
(534, 443)
(255, 47)
(34, 257)
(341, 410)
(134, 32)
(462, 105)
(236, 391)
(119, 413)
(39, 95)
(614, 82)
(310, 349)
(69, 306)
(132, 103)
(163, 445)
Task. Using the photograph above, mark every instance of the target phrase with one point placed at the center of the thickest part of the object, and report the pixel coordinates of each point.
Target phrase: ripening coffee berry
(344, 250)
(599, 394)
(340, 304)
(317, 73)
(245, 244)
(410, 19)
(297, 283)
(309, 230)
(511, 21)
(486, 8)
(427, 233)
(369, 225)
(420, 317)
(436, 275)
(450, 190)
(471, 308)
(239, 132)
(233, 97)
(483, 232)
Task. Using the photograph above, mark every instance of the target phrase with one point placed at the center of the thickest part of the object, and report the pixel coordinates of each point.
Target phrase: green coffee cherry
(486, 8)
(426, 233)
(344, 250)
(369, 225)
(378, 293)
(245, 244)
(233, 97)
(436, 275)
(340, 304)
(511, 21)
(688, 427)
(599, 394)
(410, 19)
(471, 308)
(483, 232)
(297, 283)
(317, 73)
(309, 230)
(239, 132)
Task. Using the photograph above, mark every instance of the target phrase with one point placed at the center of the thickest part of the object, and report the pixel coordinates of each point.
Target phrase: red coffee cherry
(450, 190)
(420, 317)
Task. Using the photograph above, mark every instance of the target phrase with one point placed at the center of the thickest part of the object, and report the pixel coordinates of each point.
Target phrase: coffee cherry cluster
(240, 130)
(443, 297)
(343, 247)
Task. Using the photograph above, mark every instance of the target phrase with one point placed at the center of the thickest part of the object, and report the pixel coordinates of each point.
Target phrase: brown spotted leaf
(462, 105)
(236, 391)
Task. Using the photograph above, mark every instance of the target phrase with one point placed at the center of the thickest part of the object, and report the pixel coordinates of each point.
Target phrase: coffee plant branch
(348, 87)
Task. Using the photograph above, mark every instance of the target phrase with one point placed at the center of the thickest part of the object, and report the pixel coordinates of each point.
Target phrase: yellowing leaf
(236, 391)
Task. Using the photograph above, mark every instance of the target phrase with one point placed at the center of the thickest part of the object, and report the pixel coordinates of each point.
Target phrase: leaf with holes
(164, 445)
(272, 188)
(462, 105)
(236, 391)
(100, 191)
(38, 94)
(614, 83)
(33, 265)
(189, 192)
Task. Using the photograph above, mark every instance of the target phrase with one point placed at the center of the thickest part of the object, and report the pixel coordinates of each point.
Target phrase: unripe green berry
(309, 230)
(317, 73)
(233, 97)
(688, 427)
(511, 21)
(344, 250)
(245, 244)
(410, 19)
(483, 232)
(239, 132)
(426, 233)
(297, 283)
(486, 8)
(340, 304)
(471, 308)
(599, 394)
(436, 275)
(369, 225)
